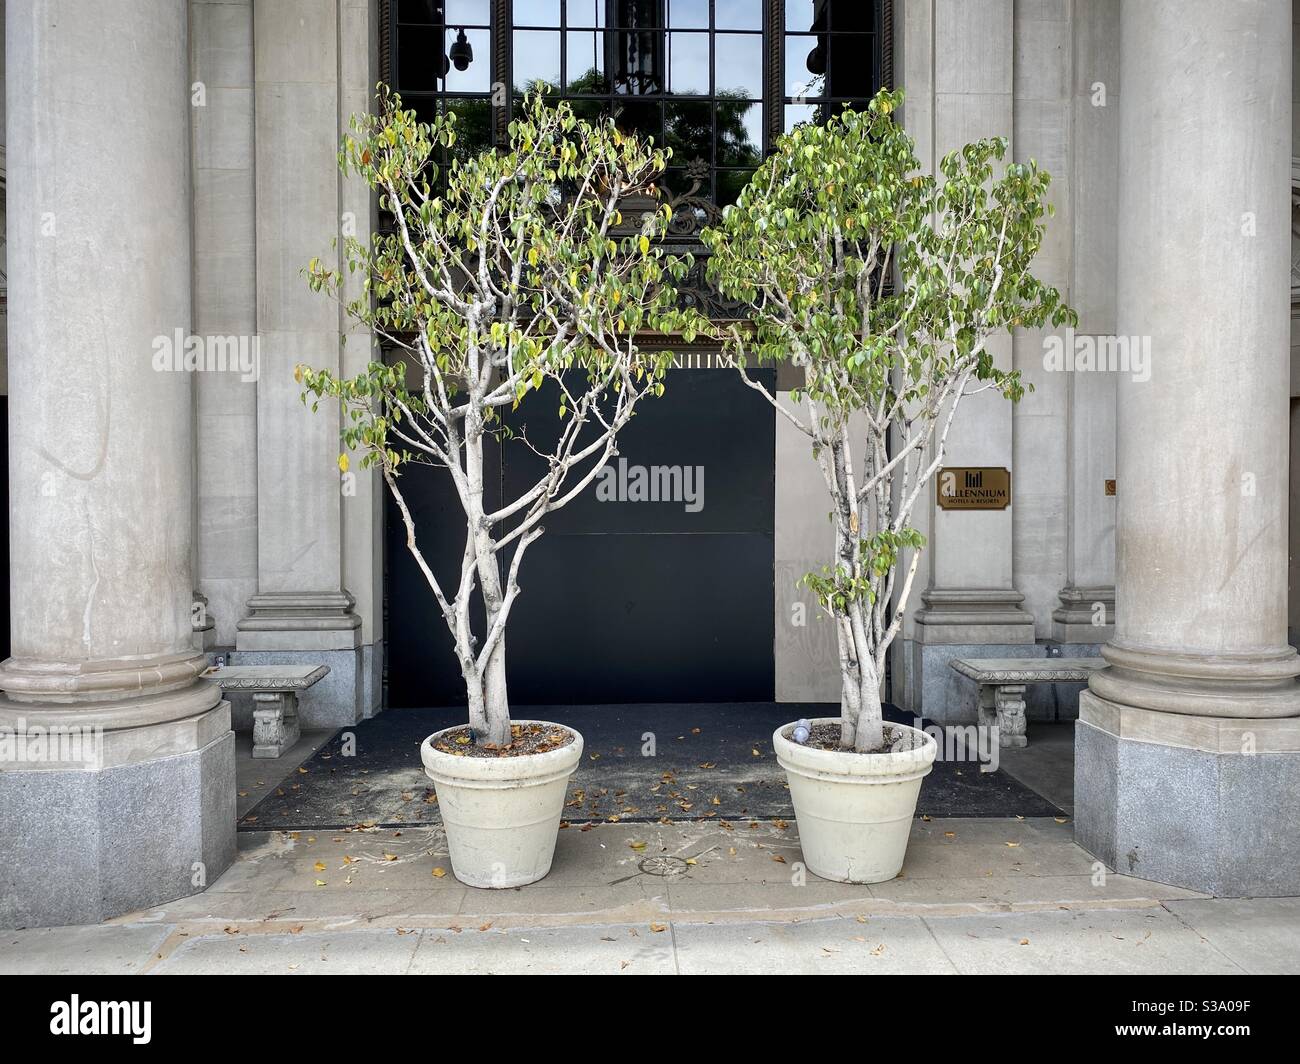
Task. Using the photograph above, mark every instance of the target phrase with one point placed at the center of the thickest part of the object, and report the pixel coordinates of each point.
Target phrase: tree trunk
(478, 716)
(850, 685)
(496, 699)
(870, 735)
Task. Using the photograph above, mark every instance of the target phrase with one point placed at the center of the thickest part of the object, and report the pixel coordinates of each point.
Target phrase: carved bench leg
(275, 722)
(988, 714)
(1009, 702)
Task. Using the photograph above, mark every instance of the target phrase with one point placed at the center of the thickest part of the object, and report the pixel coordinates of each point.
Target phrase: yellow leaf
(320, 866)
(439, 872)
(658, 927)
(343, 463)
(320, 882)
(638, 846)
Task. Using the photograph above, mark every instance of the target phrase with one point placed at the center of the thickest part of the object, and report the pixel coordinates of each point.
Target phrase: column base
(307, 628)
(1085, 615)
(974, 615)
(82, 845)
(1195, 801)
(299, 620)
(962, 623)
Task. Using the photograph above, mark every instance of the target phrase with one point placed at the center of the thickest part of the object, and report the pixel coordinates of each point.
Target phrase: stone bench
(1002, 683)
(275, 699)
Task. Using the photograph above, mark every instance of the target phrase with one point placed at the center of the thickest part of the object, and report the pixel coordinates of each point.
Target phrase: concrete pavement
(695, 897)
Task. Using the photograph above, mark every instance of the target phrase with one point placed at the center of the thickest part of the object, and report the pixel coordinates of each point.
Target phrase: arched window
(716, 80)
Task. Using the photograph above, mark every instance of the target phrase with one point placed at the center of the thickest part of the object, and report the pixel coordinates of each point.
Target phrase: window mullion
(502, 72)
(773, 73)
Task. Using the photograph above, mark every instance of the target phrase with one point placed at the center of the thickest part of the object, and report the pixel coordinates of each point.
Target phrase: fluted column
(1182, 740)
(101, 461)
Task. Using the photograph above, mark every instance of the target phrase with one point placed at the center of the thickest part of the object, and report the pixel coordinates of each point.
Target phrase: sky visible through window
(690, 73)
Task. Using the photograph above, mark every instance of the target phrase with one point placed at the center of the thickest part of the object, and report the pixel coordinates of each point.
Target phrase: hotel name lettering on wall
(973, 488)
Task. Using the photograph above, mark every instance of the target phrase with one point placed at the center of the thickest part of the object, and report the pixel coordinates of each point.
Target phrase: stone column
(301, 612)
(1188, 753)
(1086, 614)
(364, 491)
(971, 606)
(225, 305)
(118, 778)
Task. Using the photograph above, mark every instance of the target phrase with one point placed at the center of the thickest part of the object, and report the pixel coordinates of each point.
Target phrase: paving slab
(837, 946)
(305, 953)
(1027, 891)
(337, 908)
(1262, 935)
(614, 949)
(1147, 941)
(104, 949)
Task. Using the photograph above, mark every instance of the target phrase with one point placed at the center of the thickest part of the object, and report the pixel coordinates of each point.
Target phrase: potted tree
(509, 278)
(884, 286)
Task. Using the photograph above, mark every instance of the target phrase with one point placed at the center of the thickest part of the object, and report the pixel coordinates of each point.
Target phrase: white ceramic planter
(502, 814)
(854, 810)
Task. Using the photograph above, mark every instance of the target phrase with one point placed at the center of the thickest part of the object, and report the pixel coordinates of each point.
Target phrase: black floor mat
(641, 763)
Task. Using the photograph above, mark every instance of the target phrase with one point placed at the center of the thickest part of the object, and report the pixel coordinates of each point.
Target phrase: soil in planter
(827, 737)
(525, 739)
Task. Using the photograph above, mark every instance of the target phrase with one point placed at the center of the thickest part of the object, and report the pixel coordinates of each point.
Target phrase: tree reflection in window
(690, 73)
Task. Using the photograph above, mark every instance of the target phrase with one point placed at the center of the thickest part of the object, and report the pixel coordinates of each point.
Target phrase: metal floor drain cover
(663, 866)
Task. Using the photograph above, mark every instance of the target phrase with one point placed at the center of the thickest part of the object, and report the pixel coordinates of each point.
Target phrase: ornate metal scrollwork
(694, 212)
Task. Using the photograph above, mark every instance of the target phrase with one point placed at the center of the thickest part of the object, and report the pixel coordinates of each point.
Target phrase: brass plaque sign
(973, 488)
